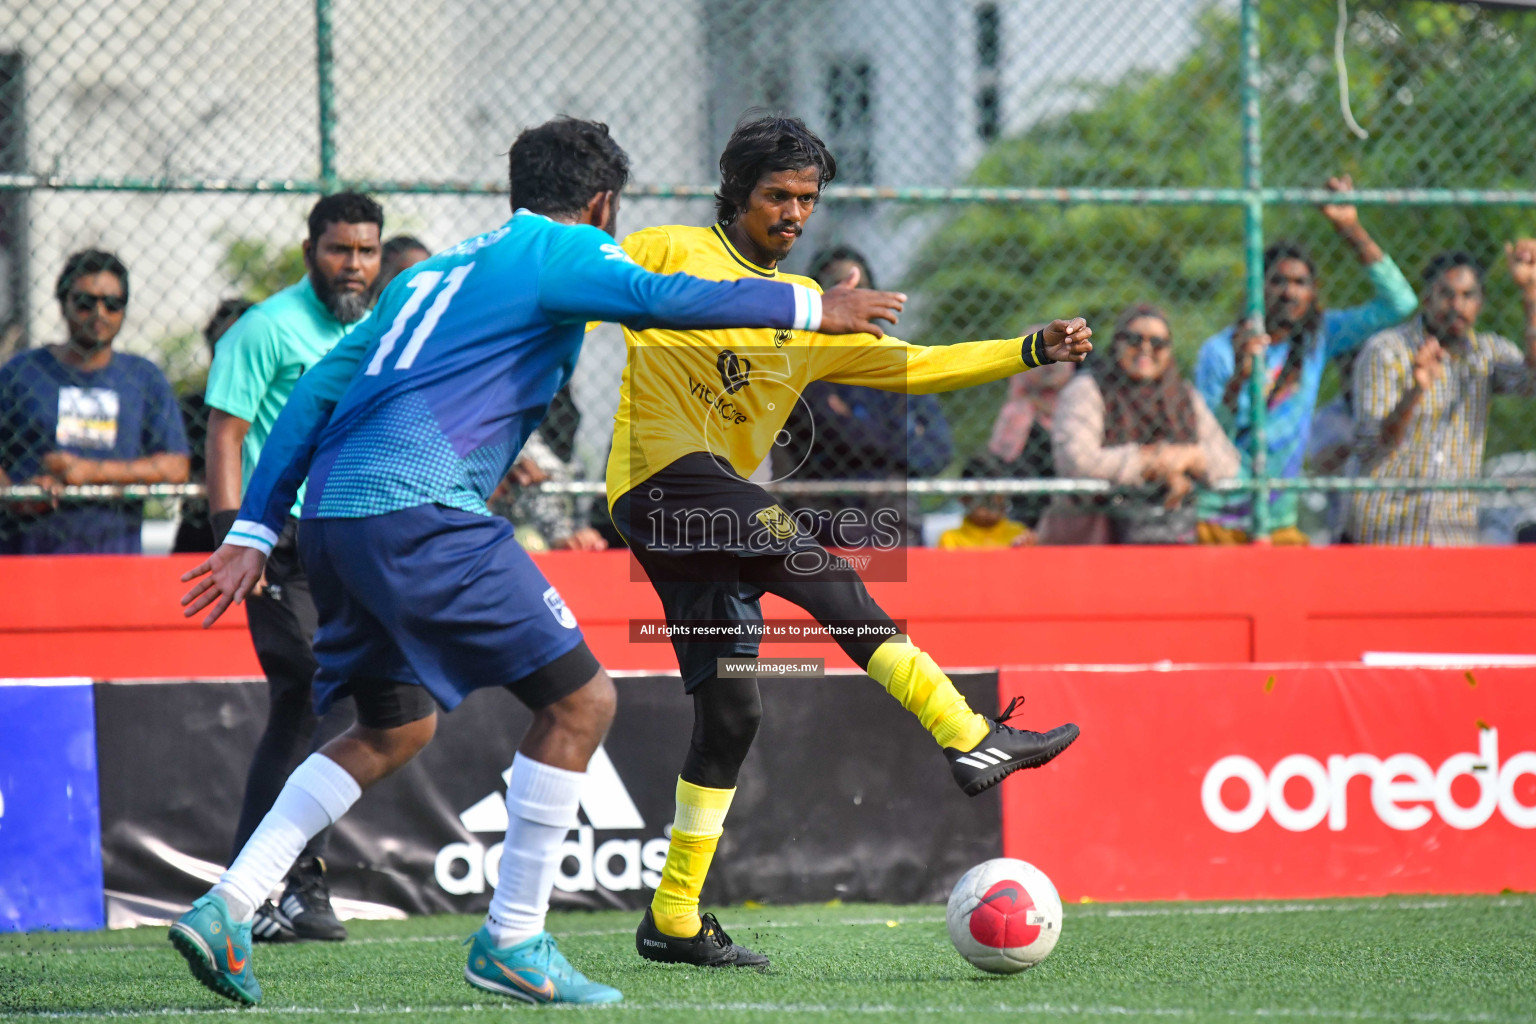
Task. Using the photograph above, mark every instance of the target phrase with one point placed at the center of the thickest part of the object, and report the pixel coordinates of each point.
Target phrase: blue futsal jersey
(431, 400)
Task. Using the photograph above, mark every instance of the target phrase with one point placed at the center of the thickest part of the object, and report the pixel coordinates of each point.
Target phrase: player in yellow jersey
(698, 412)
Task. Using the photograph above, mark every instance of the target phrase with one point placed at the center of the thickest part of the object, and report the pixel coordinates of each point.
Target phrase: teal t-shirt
(259, 360)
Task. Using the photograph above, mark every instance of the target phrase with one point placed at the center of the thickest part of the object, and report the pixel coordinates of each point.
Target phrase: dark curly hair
(557, 167)
(1440, 262)
(344, 208)
(761, 145)
(842, 254)
(89, 261)
(402, 243)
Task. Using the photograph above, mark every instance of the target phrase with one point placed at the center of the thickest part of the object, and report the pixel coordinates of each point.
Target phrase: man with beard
(1299, 338)
(80, 413)
(699, 410)
(255, 368)
(1422, 391)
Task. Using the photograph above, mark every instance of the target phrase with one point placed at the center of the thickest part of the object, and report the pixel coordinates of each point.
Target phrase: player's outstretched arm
(586, 276)
(224, 579)
(890, 364)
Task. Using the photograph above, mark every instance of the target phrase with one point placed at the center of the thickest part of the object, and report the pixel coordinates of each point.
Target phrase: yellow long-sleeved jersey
(730, 391)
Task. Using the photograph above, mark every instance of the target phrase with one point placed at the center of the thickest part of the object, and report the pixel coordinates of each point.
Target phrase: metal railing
(1253, 197)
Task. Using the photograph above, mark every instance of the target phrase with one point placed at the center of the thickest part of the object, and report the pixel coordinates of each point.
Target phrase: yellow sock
(922, 688)
(696, 831)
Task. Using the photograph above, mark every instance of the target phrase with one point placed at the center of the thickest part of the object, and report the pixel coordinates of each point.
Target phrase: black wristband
(1033, 351)
(222, 521)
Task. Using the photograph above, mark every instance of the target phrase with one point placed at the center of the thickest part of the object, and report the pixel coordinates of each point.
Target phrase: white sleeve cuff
(807, 308)
(246, 534)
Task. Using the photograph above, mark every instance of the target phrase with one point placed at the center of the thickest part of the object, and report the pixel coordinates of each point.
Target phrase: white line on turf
(679, 1006)
(1075, 910)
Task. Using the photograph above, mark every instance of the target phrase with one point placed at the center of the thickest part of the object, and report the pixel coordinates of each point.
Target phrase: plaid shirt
(1444, 439)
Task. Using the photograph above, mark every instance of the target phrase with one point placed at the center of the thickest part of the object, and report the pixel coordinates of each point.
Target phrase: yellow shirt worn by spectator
(1000, 534)
(729, 392)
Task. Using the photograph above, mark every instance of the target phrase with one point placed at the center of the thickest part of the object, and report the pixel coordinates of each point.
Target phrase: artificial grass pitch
(1428, 959)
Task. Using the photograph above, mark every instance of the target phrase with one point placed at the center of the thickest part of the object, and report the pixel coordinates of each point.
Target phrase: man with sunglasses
(79, 413)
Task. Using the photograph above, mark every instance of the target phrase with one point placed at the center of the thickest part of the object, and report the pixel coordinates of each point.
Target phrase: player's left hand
(230, 574)
(1066, 341)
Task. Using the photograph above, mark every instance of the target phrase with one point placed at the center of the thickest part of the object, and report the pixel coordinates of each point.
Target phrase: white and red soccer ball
(1004, 915)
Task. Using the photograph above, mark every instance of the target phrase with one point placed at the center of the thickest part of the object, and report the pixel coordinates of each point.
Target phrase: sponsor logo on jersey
(780, 524)
(729, 412)
(783, 336)
(735, 372)
(1406, 792)
(615, 253)
(557, 608)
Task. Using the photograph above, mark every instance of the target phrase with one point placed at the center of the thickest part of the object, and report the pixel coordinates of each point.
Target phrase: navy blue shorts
(439, 598)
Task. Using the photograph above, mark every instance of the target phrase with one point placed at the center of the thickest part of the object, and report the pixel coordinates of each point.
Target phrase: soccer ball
(1004, 916)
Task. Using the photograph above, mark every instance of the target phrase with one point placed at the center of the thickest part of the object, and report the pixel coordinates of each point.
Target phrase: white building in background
(907, 92)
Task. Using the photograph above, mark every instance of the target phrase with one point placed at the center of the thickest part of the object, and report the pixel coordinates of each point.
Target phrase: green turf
(1430, 959)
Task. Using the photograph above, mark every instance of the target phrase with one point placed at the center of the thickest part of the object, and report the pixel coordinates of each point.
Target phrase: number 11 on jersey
(421, 286)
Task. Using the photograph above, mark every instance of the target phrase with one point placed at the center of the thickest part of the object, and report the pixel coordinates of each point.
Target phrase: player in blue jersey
(403, 430)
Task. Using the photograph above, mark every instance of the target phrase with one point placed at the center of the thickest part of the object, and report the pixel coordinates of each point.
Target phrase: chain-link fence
(1003, 162)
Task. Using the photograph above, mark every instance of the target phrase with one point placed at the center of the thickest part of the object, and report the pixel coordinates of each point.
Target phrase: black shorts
(713, 543)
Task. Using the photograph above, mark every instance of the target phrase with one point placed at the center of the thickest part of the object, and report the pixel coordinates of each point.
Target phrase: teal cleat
(218, 950)
(534, 971)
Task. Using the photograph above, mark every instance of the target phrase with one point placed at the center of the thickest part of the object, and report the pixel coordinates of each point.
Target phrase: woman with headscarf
(1021, 434)
(1135, 420)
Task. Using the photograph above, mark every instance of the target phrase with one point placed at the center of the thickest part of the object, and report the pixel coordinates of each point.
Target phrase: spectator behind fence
(986, 523)
(1133, 419)
(80, 413)
(255, 370)
(1422, 392)
(195, 532)
(846, 432)
(1021, 434)
(401, 252)
(543, 521)
(1299, 339)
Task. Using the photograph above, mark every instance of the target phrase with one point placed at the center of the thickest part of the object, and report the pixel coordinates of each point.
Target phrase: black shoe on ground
(1005, 751)
(711, 947)
(306, 903)
(270, 926)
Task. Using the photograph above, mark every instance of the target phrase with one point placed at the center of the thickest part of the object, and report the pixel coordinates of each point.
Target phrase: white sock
(317, 794)
(541, 810)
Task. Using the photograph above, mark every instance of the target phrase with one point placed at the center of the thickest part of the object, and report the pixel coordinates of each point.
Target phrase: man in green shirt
(255, 368)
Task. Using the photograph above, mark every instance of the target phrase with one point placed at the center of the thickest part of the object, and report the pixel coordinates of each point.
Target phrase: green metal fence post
(327, 95)
(1253, 245)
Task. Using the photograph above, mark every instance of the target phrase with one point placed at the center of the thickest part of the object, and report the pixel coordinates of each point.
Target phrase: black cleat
(1004, 751)
(306, 903)
(711, 947)
(270, 926)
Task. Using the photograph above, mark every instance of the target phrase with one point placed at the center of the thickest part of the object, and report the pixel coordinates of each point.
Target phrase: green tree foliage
(1447, 92)
(258, 269)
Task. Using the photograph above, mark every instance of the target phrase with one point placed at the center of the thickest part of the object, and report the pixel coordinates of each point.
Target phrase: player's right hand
(849, 309)
(230, 574)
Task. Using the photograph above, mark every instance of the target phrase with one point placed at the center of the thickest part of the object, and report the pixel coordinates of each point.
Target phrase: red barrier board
(1252, 781)
(117, 616)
